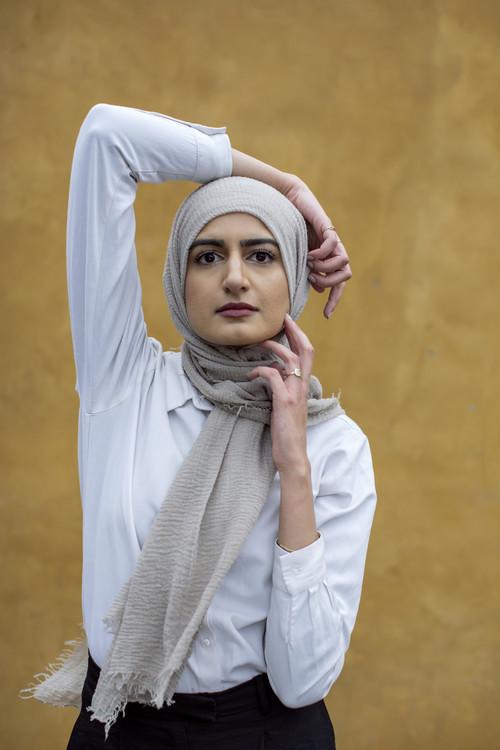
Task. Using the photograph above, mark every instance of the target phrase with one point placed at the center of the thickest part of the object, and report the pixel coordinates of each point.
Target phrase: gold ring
(296, 371)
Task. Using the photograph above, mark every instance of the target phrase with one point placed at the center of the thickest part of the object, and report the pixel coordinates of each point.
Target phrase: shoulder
(341, 452)
(337, 431)
(178, 387)
(338, 443)
(173, 361)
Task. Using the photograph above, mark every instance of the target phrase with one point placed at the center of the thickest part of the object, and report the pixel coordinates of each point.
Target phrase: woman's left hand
(289, 395)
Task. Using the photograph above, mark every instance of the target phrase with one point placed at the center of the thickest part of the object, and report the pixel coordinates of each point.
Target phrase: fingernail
(311, 277)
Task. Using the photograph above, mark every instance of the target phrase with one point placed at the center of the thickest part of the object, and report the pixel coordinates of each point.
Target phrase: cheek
(278, 292)
(191, 285)
(190, 294)
(196, 296)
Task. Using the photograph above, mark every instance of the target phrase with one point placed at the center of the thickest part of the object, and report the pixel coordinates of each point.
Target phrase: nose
(235, 278)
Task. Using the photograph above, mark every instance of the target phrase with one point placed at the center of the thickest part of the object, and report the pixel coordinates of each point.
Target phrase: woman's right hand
(327, 254)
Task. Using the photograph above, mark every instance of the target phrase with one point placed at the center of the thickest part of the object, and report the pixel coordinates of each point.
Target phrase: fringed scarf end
(118, 688)
(62, 683)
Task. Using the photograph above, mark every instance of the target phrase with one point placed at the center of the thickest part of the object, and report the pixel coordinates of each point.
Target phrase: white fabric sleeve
(116, 148)
(316, 589)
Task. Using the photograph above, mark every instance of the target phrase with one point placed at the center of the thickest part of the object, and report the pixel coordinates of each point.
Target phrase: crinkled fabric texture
(158, 612)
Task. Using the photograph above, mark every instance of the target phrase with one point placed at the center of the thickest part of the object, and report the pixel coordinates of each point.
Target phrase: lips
(236, 306)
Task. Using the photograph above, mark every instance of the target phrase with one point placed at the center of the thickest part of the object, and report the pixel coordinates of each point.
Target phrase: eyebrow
(243, 243)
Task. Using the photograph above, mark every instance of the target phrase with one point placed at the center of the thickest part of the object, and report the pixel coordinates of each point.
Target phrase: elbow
(308, 691)
(294, 701)
(98, 111)
(98, 120)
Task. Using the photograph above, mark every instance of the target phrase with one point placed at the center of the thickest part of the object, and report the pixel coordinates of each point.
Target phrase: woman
(227, 505)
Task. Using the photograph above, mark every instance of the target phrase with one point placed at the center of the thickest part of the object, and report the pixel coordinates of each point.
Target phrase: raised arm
(116, 148)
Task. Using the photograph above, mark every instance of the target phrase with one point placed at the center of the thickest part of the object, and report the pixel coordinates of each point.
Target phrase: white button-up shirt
(288, 614)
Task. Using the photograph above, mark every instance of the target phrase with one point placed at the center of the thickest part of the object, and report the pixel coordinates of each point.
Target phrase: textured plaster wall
(388, 109)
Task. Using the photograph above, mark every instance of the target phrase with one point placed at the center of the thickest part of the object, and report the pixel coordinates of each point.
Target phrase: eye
(264, 252)
(202, 255)
(267, 253)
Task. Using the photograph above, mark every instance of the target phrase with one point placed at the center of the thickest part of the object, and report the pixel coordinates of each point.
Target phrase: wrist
(301, 195)
(292, 182)
(245, 165)
(294, 472)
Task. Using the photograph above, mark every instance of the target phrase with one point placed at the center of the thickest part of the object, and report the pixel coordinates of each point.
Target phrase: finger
(332, 279)
(329, 247)
(303, 345)
(312, 280)
(333, 300)
(330, 229)
(293, 330)
(314, 284)
(283, 370)
(280, 367)
(273, 377)
(301, 352)
(329, 233)
(290, 356)
(332, 239)
(329, 264)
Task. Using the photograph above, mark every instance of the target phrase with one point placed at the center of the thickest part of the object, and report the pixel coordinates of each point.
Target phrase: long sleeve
(116, 148)
(316, 590)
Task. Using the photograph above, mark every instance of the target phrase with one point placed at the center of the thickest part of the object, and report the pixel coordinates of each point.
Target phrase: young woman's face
(223, 270)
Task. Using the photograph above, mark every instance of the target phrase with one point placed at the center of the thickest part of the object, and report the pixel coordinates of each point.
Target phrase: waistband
(256, 694)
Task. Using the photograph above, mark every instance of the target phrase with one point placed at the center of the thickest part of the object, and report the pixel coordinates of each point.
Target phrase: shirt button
(206, 642)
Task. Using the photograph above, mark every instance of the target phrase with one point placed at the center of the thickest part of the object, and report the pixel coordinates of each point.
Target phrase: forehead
(235, 223)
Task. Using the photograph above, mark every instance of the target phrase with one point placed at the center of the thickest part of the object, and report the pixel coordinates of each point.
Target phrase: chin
(243, 339)
(238, 342)
(240, 335)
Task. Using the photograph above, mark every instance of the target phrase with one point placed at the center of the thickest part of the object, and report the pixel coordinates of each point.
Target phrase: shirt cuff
(297, 571)
(215, 158)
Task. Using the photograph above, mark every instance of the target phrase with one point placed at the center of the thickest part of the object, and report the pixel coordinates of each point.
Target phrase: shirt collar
(179, 388)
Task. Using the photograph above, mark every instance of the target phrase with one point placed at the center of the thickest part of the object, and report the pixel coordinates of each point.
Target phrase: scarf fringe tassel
(62, 683)
(147, 691)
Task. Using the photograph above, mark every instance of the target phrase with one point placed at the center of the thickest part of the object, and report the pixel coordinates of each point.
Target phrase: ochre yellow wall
(388, 109)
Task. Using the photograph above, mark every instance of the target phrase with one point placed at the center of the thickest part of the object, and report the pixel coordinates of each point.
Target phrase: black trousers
(248, 716)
